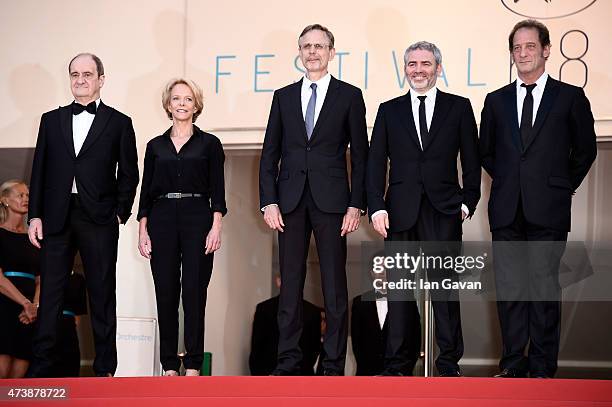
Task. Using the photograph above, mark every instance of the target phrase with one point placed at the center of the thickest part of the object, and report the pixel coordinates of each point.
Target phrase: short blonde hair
(195, 89)
(5, 189)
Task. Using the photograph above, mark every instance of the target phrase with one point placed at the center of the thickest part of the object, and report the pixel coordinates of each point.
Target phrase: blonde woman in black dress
(19, 281)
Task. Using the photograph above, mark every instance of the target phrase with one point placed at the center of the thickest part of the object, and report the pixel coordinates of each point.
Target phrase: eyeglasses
(317, 47)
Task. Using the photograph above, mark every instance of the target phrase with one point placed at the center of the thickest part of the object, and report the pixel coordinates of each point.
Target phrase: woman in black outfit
(182, 202)
(19, 281)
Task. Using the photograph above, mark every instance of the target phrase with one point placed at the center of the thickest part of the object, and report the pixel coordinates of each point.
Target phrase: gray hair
(424, 46)
(97, 61)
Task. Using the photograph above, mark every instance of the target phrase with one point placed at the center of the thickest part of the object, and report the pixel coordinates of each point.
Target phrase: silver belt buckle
(174, 195)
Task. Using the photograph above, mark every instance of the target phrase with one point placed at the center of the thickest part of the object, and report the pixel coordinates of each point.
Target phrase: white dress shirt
(322, 86)
(537, 93)
(381, 308)
(81, 123)
(430, 104)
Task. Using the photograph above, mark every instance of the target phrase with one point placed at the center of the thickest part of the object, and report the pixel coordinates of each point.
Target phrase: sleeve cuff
(379, 212)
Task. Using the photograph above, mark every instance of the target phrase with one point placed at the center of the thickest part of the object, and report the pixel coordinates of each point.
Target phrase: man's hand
(381, 224)
(35, 232)
(273, 218)
(351, 220)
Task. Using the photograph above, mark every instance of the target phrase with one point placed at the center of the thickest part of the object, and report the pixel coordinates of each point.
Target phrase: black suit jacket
(320, 160)
(106, 168)
(368, 339)
(550, 167)
(264, 340)
(431, 170)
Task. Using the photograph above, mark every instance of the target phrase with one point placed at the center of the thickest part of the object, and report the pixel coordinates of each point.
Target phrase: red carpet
(318, 392)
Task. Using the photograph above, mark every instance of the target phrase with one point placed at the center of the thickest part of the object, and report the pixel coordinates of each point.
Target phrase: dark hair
(319, 27)
(543, 33)
(97, 61)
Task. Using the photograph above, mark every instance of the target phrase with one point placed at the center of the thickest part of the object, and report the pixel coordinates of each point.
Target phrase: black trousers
(404, 341)
(293, 244)
(97, 245)
(526, 314)
(178, 230)
(69, 363)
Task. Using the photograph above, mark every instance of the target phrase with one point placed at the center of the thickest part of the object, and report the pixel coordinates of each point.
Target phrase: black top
(196, 168)
(18, 254)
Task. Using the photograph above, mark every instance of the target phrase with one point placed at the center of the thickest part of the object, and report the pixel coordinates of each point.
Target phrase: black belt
(178, 195)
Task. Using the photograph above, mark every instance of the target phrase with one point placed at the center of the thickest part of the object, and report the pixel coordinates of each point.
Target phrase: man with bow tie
(84, 178)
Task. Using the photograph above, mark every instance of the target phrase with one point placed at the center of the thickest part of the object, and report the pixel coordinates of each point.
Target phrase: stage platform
(316, 392)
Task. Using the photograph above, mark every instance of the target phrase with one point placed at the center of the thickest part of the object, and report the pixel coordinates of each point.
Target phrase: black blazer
(550, 167)
(368, 339)
(431, 170)
(106, 168)
(322, 159)
(264, 340)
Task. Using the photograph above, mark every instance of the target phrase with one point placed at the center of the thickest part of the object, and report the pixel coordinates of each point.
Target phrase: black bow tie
(78, 108)
(379, 295)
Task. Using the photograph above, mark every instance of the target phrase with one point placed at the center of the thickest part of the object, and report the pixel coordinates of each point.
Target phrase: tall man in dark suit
(421, 134)
(84, 179)
(537, 142)
(311, 124)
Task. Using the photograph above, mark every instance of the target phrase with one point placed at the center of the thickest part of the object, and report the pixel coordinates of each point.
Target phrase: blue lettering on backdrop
(398, 66)
(295, 63)
(365, 79)
(218, 73)
(401, 79)
(469, 70)
(340, 54)
(258, 72)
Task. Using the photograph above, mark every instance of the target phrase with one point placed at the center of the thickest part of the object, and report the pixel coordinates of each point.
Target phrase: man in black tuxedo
(537, 142)
(311, 124)
(84, 179)
(421, 134)
(264, 340)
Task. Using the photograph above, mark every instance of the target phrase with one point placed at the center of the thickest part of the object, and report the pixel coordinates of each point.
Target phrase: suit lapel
(65, 114)
(510, 102)
(550, 94)
(328, 104)
(441, 108)
(404, 112)
(296, 98)
(103, 114)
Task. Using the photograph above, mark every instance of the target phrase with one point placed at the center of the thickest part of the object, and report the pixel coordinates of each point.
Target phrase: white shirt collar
(98, 100)
(322, 83)
(540, 83)
(431, 95)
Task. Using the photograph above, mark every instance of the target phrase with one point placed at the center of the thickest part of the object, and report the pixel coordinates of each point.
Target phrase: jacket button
(307, 148)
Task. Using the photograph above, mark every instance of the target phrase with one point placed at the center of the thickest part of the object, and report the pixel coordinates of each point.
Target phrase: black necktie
(78, 108)
(527, 114)
(422, 120)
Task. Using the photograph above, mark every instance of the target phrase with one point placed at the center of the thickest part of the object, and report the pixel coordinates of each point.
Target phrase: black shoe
(450, 373)
(511, 373)
(283, 372)
(539, 375)
(104, 374)
(391, 372)
(331, 372)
